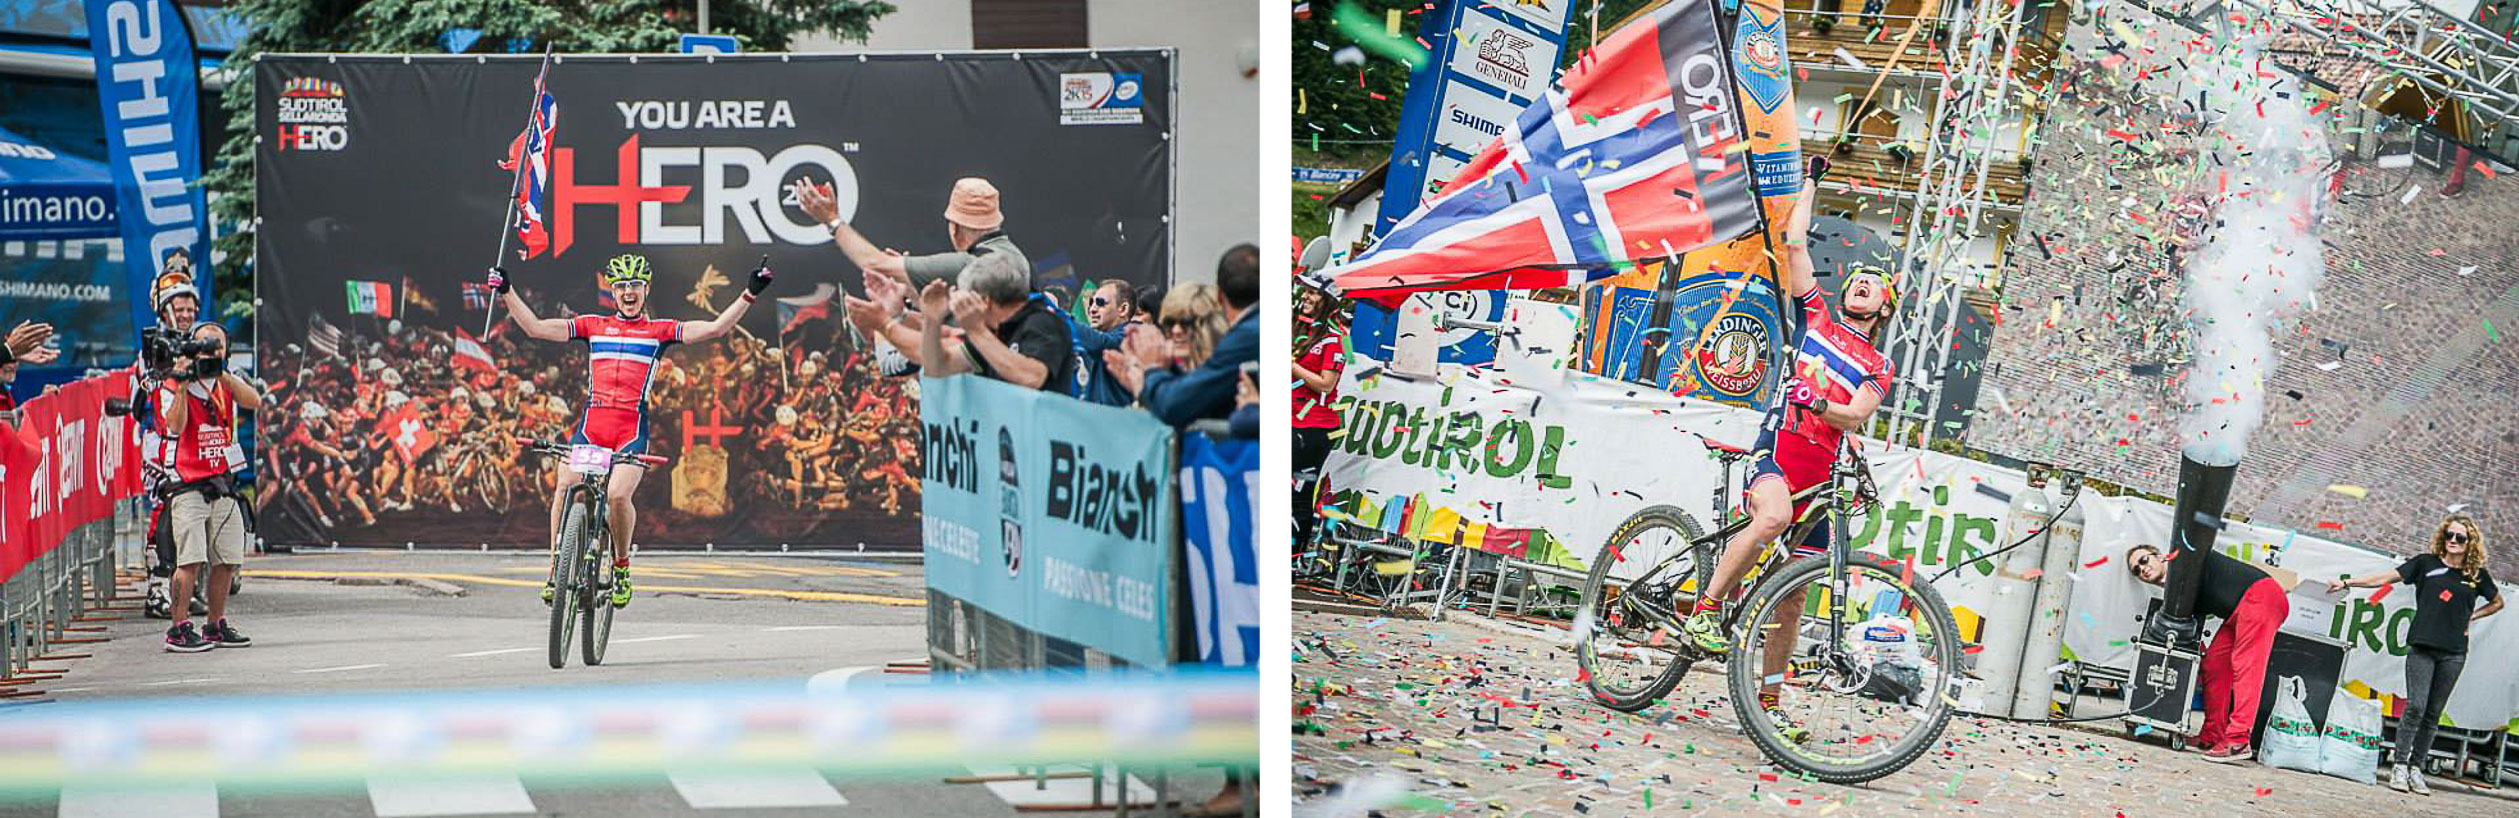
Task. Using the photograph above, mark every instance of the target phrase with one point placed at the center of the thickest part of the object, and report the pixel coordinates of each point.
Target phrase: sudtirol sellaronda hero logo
(314, 115)
(1101, 98)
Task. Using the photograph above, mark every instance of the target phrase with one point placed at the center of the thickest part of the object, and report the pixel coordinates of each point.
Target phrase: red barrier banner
(62, 466)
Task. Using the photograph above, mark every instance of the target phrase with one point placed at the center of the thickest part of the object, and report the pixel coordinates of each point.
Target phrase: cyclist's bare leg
(1780, 640)
(1770, 510)
(622, 514)
(559, 503)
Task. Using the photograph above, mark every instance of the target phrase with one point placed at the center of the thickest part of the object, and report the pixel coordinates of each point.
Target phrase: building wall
(2409, 405)
(1217, 179)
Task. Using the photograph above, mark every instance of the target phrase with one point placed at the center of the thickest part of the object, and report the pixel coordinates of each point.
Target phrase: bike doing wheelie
(1859, 656)
(581, 602)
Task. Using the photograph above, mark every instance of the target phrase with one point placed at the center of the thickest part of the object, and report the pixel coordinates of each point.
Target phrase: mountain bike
(1870, 643)
(582, 597)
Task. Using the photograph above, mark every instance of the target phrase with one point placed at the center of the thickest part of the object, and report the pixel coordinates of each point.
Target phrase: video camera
(169, 355)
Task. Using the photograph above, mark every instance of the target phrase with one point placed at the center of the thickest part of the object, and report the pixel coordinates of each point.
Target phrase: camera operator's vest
(206, 447)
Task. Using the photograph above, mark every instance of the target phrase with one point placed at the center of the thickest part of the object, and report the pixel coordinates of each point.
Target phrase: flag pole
(489, 316)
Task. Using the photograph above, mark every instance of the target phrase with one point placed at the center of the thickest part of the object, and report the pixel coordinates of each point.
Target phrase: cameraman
(197, 409)
(177, 306)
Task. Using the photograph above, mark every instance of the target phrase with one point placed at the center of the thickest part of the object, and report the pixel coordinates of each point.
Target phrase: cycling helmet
(629, 267)
(311, 411)
(395, 399)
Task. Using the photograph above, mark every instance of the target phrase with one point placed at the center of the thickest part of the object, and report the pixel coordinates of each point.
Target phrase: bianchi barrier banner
(1546, 473)
(1053, 513)
(381, 200)
(1220, 482)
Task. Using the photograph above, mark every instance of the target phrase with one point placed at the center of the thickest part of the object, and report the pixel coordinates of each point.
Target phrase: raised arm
(548, 329)
(697, 331)
(2373, 579)
(1800, 277)
(819, 203)
(934, 301)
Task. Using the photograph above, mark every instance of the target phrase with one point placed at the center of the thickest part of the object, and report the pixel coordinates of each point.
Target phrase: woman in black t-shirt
(2447, 581)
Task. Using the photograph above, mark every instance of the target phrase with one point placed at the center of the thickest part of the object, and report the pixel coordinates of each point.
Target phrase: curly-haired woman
(2448, 580)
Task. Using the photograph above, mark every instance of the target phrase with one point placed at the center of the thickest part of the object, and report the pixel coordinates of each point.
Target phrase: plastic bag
(2291, 739)
(2350, 749)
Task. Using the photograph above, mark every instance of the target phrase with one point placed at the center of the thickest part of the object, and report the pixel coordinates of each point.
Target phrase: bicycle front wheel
(567, 574)
(1859, 704)
(1642, 580)
(597, 618)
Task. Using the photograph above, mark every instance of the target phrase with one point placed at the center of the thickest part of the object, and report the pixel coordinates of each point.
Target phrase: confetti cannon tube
(2197, 520)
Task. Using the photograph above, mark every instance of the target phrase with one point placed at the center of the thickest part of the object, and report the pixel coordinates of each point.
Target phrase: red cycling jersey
(621, 357)
(1837, 362)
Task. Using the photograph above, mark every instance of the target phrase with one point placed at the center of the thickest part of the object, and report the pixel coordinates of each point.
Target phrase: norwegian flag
(1637, 152)
(530, 156)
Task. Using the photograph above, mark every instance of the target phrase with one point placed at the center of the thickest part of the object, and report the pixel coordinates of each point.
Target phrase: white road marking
(178, 682)
(833, 681)
(490, 794)
(1063, 791)
(656, 638)
(806, 628)
(336, 669)
(489, 652)
(178, 801)
(756, 789)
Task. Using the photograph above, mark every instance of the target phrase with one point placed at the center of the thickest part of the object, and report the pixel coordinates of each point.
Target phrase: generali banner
(382, 200)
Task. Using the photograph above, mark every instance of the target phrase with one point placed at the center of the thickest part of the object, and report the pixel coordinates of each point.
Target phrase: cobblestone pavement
(1384, 714)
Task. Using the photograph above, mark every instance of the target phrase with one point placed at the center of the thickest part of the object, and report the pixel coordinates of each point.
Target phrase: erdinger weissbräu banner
(1053, 513)
(381, 202)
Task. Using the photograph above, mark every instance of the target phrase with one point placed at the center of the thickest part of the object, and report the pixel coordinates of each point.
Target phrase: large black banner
(381, 197)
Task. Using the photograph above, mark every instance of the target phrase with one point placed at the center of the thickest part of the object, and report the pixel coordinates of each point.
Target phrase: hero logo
(314, 116)
(733, 180)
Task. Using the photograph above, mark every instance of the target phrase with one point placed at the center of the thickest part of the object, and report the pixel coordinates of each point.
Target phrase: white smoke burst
(2266, 168)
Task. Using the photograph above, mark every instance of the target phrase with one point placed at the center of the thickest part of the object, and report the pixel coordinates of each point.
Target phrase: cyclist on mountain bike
(1839, 376)
(622, 352)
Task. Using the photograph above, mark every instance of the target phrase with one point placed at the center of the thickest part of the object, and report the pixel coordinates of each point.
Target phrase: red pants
(2234, 666)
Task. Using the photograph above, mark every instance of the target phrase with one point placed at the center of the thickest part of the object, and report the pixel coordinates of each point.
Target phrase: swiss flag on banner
(411, 435)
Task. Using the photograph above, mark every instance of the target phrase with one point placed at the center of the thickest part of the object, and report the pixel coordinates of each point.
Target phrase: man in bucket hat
(973, 223)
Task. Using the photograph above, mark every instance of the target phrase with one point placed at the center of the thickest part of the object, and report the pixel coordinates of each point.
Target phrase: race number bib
(587, 458)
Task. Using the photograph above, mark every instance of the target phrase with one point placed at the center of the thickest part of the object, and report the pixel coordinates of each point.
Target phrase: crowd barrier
(1061, 535)
(68, 470)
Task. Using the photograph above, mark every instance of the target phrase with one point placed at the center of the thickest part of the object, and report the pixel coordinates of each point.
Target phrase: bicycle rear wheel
(1869, 705)
(597, 617)
(566, 569)
(1643, 575)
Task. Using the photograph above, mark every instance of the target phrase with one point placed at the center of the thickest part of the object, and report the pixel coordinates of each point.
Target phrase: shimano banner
(382, 200)
(1053, 513)
(148, 84)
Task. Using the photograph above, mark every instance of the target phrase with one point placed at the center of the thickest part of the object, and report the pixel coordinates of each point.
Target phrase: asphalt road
(367, 622)
(1394, 704)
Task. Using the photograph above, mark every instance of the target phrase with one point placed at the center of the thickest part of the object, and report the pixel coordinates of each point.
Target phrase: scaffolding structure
(2408, 40)
(1945, 216)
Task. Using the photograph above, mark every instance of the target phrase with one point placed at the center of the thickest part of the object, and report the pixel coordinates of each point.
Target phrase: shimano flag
(1636, 153)
(148, 83)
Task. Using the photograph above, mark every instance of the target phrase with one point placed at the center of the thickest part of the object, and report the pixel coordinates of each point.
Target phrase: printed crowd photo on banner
(791, 429)
(1903, 405)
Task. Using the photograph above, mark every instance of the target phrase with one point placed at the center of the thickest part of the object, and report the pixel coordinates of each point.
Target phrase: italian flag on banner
(371, 298)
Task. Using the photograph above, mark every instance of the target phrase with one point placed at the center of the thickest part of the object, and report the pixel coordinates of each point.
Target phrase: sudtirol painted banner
(382, 199)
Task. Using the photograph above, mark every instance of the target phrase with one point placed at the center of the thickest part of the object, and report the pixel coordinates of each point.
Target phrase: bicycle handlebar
(557, 449)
